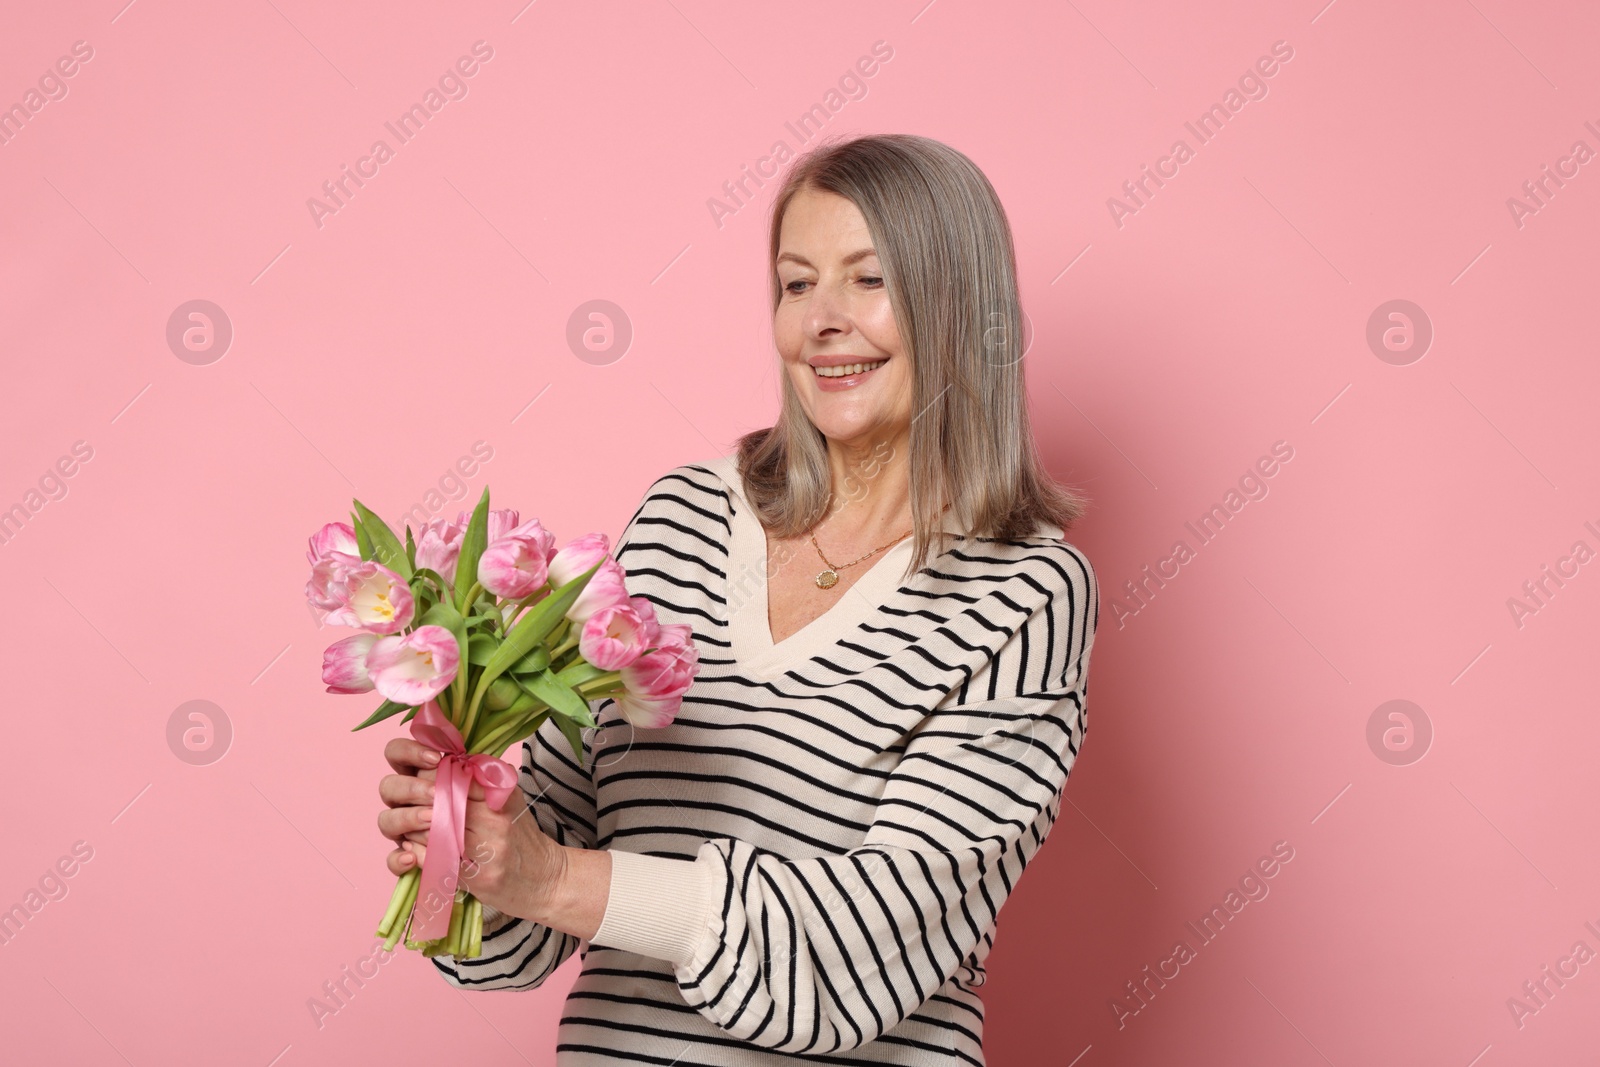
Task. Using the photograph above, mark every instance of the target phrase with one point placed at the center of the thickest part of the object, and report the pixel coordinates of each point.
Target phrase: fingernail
(430, 792)
(430, 757)
(406, 859)
(427, 816)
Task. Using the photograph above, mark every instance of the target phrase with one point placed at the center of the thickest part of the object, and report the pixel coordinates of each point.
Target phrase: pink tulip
(502, 521)
(577, 557)
(614, 637)
(654, 683)
(647, 615)
(517, 564)
(332, 553)
(675, 637)
(344, 664)
(438, 545)
(373, 598)
(439, 542)
(606, 589)
(334, 537)
(414, 668)
(329, 577)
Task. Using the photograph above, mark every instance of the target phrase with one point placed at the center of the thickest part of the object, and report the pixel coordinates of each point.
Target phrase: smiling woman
(811, 858)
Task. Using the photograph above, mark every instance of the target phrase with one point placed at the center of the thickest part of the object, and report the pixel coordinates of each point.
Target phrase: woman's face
(835, 313)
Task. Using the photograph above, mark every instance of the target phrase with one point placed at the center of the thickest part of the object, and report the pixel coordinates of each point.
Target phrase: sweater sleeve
(519, 953)
(819, 955)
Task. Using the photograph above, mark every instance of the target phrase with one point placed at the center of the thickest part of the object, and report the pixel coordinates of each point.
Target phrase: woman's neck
(871, 490)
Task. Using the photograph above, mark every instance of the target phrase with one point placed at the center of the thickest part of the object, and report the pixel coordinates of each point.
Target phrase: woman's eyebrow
(857, 255)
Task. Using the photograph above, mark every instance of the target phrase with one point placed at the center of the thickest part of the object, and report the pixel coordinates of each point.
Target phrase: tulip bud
(501, 693)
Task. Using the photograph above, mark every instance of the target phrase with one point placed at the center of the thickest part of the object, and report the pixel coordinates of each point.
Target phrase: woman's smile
(836, 373)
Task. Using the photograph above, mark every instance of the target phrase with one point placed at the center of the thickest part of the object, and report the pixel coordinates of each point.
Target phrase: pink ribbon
(447, 834)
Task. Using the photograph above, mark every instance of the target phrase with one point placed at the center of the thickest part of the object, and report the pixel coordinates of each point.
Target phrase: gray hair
(945, 245)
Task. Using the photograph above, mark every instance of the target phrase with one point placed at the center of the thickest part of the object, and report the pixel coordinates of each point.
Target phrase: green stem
(494, 718)
(410, 882)
(567, 645)
(496, 740)
(472, 594)
(474, 926)
(526, 602)
(601, 686)
(458, 693)
(458, 909)
(472, 709)
(402, 886)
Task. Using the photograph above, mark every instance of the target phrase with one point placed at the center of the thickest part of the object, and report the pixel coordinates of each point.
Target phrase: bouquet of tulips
(479, 630)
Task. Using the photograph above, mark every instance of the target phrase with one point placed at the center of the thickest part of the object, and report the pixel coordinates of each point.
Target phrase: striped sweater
(811, 859)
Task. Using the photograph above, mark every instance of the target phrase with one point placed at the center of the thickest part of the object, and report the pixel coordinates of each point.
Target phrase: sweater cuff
(658, 906)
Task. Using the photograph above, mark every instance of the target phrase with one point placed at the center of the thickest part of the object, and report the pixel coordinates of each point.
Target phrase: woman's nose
(826, 311)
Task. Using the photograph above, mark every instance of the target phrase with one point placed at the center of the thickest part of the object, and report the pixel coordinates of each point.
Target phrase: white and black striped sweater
(811, 858)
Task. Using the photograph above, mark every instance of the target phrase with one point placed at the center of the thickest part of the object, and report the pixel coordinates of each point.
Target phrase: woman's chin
(851, 426)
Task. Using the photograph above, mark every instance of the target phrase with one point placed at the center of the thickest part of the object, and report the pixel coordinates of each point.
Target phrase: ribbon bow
(447, 834)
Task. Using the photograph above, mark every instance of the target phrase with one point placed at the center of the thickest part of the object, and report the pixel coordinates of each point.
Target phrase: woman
(894, 645)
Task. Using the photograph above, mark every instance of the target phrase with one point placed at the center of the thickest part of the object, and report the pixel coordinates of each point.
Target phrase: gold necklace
(827, 579)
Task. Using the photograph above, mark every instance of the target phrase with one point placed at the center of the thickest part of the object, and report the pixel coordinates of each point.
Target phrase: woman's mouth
(846, 375)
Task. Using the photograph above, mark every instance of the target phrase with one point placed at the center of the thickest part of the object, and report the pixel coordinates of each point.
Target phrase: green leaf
(578, 673)
(574, 737)
(386, 547)
(535, 625)
(386, 709)
(411, 548)
(560, 698)
(532, 663)
(503, 693)
(363, 542)
(473, 542)
(428, 578)
(480, 647)
(442, 614)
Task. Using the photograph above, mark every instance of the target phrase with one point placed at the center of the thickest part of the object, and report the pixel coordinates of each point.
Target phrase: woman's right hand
(409, 796)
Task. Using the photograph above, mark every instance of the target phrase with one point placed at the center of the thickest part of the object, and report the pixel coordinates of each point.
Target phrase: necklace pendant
(827, 579)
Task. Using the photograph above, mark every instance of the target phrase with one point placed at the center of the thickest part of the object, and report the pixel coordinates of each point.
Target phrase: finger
(400, 862)
(476, 794)
(395, 823)
(407, 754)
(398, 789)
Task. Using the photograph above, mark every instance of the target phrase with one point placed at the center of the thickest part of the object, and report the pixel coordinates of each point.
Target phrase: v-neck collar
(749, 630)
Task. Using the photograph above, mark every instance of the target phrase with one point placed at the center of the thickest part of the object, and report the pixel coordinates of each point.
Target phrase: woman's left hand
(509, 863)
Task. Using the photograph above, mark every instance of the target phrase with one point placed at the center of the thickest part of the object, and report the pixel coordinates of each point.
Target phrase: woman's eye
(873, 281)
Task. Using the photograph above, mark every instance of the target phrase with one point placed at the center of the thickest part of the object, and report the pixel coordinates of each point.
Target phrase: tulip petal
(344, 664)
(416, 667)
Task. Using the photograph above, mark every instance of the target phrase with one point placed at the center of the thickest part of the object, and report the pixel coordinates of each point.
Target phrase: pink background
(1169, 353)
